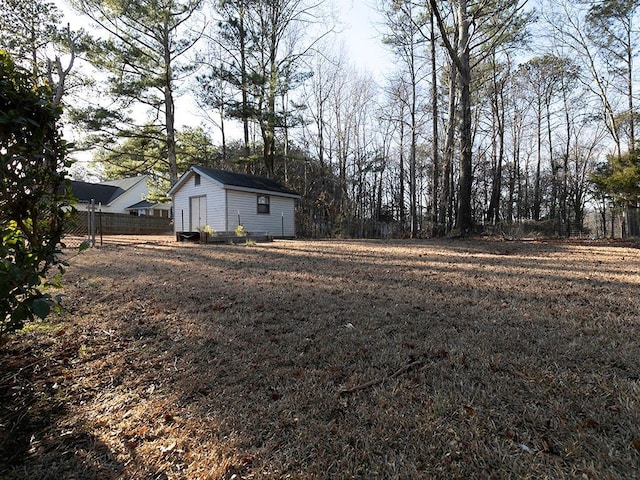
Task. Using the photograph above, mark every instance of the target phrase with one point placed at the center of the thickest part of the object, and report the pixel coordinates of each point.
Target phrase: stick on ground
(371, 383)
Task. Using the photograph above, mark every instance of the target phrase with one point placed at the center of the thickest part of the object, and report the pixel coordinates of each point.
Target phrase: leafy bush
(33, 194)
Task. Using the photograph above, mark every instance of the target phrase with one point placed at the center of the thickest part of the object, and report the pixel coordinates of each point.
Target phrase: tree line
(500, 116)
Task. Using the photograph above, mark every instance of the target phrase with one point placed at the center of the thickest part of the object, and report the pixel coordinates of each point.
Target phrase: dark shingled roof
(244, 181)
(85, 192)
(140, 204)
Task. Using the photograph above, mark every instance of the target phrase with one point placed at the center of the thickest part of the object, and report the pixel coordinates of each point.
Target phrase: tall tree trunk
(460, 55)
(553, 214)
(244, 81)
(630, 93)
(465, 214)
(536, 181)
(285, 140)
(497, 102)
(171, 136)
(403, 212)
(268, 124)
(446, 202)
(223, 139)
(169, 111)
(435, 146)
(564, 210)
(413, 210)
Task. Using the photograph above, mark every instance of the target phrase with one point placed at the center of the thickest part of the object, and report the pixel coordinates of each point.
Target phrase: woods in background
(500, 116)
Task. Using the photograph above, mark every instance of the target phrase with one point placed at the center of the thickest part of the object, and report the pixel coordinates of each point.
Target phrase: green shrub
(33, 194)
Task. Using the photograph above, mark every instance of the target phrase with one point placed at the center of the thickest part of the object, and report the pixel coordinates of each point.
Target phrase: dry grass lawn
(331, 359)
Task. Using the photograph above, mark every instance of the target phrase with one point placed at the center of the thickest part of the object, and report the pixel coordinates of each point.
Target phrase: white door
(198, 213)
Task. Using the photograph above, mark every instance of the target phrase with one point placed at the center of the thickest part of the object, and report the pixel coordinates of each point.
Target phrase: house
(223, 200)
(126, 195)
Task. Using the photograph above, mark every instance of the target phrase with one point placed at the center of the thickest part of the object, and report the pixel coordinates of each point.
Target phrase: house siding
(272, 223)
(120, 204)
(214, 204)
(132, 196)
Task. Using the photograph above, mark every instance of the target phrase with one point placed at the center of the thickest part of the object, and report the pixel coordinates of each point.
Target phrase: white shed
(223, 200)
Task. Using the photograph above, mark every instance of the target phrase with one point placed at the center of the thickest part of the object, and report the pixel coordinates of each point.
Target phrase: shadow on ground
(37, 440)
(278, 361)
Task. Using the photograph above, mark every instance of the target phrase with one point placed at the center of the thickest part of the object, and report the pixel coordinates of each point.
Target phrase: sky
(362, 37)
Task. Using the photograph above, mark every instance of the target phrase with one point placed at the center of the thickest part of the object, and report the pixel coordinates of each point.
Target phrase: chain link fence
(94, 226)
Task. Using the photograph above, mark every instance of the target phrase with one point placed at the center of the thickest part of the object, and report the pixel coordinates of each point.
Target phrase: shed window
(263, 204)
(196, 179)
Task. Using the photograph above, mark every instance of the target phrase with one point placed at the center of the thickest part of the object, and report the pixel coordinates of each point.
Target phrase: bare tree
(610, 26)
(568, 30)
(499, 77)
(397, 96)
(405, 23)
(319, 133)
(494, 23)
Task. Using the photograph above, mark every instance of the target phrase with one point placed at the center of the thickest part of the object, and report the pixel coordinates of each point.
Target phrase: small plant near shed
(240, 232)
(206, 232)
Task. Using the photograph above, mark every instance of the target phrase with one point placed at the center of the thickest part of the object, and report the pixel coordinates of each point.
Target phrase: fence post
(89, 224)
(93, 223)
(100, 220)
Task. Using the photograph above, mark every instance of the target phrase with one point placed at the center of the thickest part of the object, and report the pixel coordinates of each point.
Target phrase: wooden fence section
(117, 224)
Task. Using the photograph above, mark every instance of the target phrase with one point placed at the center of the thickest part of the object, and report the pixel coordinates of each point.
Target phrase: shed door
(198, 213)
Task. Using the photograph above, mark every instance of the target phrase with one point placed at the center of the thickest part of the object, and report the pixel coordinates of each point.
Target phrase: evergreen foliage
(32, 195)
(146, 154)
(619, 178)
(143, 57)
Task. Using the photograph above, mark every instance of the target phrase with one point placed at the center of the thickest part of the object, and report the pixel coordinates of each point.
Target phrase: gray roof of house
(244, 181)
(140, 204)
(85, 192)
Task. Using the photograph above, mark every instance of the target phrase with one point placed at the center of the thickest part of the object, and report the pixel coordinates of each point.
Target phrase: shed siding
(247, 204)
(215, 204)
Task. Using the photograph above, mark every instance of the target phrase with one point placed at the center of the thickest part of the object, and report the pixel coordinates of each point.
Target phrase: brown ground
(331, 359)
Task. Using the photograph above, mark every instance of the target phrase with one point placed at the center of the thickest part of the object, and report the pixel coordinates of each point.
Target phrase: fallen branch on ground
(371, 383)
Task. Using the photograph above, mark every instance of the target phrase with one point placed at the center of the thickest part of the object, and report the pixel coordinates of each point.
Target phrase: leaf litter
(331, 359)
